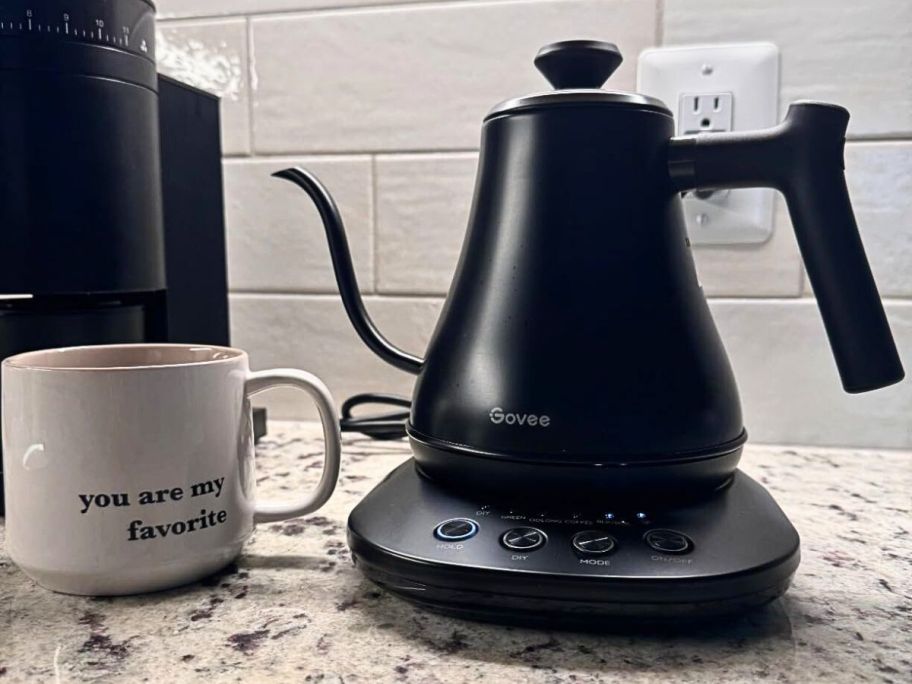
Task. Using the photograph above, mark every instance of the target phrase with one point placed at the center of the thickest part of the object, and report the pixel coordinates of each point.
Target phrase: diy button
(456, 529)
(593, 542)
(523, 539)
(668, 541)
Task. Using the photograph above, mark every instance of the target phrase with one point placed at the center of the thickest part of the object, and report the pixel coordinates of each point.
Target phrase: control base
(591, 567)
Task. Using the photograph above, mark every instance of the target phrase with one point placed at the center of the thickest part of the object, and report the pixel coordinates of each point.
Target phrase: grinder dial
(125, 25)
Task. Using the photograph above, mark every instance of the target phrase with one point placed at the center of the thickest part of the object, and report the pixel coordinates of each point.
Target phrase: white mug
(130, 468)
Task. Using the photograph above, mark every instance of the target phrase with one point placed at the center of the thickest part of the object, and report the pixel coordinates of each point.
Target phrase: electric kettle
(576, 352)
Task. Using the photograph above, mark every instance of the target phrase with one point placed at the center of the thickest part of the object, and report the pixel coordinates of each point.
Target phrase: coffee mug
(130, 468)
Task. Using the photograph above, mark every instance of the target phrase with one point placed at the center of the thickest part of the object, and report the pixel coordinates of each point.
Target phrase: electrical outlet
(714, 89)
(705, 113)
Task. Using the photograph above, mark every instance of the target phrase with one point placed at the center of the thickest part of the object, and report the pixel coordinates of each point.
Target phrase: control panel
(587, 539)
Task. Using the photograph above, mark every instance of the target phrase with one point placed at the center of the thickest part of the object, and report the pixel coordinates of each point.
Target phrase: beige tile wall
(383, 99)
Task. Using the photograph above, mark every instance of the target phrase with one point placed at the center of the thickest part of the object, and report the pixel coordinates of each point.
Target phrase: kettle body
(575, 330)
(576, 353)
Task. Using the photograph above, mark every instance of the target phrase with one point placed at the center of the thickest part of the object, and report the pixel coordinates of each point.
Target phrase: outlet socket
(713, 89)
(704, 113)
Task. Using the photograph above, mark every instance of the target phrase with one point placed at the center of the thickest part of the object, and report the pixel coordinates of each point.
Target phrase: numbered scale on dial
(127, 25)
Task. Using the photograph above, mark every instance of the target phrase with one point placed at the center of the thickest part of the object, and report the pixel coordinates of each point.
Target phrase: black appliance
(576, 426)
(111, 209)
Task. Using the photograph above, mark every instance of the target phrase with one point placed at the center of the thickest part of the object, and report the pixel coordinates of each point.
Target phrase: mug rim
(23, 360)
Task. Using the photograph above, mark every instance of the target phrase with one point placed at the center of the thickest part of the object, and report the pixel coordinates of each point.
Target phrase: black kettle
(576, 351)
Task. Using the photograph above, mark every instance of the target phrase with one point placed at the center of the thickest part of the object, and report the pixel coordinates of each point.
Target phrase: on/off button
(456, 529)
(668, 541)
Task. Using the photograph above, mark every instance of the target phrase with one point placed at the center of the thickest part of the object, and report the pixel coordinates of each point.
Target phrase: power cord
(383, 426)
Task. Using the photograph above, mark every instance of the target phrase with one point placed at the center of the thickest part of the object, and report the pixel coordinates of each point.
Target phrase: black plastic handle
(803, 158)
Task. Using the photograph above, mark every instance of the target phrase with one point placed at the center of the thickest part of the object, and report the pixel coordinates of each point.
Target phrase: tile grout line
(332, 295)
(374, 235)
(353, 8)
(878, 138)
(660, 23)
(851, 142)
(891, 300)
(251, 86)
(467, 151)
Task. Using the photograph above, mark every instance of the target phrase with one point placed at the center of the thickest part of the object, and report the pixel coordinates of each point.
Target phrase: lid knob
(578, 63)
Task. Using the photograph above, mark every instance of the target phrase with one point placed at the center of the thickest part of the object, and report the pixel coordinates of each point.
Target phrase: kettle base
(506, 477)
(589, 567)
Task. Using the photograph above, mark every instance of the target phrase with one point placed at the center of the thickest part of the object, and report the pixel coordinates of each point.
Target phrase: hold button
(456, 529)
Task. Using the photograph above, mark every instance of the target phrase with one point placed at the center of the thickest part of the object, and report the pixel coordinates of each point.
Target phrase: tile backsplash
(384, 101)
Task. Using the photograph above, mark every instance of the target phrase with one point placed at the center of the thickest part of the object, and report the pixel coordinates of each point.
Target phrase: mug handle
(332, 435)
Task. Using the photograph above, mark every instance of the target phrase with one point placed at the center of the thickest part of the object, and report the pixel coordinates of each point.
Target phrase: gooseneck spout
(345, 272)
(803, 158)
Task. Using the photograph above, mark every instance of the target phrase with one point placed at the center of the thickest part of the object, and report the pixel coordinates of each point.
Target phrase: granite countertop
(294, 608)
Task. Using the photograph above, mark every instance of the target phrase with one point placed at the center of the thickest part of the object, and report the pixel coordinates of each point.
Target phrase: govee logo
(498, 416)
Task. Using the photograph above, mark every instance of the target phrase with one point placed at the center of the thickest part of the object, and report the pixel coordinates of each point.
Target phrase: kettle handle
(345, 272)
(803, 158)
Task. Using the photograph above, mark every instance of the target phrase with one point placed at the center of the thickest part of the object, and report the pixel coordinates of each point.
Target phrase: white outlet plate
(706, 87)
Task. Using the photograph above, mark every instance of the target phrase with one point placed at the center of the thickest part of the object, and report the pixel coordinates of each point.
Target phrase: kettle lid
(577, 69)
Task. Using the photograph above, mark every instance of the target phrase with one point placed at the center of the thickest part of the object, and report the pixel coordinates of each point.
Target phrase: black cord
(385, 426)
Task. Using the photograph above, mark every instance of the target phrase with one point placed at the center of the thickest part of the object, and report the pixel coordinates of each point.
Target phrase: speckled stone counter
(294, 608)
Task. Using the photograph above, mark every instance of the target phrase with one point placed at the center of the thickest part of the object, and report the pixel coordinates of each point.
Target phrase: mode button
(593, 542)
